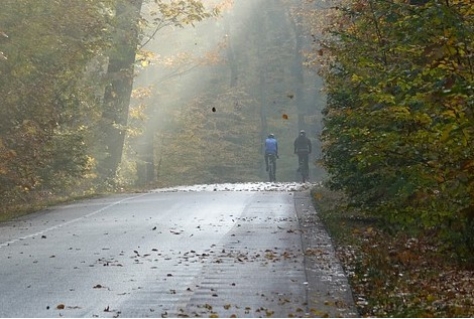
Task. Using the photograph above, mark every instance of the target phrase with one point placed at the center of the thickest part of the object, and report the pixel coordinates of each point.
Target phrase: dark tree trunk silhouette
(297, 70)
(117, 94)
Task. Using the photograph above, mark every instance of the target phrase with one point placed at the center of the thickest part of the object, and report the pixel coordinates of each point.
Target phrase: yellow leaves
(269, 313)
(179, 13)
(177, 60)
(445, 134)
(356, 78)
(270, 255)
(448, 114)
(400, 110)
(422, 119)
(5, 155)
(29, 127)
(385, 98)
(145, 57)
(138, 112)
(141, 93)
(317, 196)
(223, 6)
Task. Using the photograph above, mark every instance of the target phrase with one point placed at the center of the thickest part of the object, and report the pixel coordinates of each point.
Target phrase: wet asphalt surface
(173, 254)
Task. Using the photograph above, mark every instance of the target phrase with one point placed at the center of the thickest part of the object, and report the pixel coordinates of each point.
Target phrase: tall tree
(163, 16)
(120, 74)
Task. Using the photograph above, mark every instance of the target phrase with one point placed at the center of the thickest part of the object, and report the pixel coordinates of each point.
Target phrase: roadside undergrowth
(394, 274)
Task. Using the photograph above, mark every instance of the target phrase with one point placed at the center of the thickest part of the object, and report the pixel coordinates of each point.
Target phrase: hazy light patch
(241, 187)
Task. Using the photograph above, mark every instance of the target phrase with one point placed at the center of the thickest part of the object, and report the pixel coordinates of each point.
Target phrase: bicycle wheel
(272, 169)
(303, 171)
(303, 177)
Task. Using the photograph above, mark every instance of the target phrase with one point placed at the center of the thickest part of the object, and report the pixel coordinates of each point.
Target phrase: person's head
(271, 135)
(302, 133)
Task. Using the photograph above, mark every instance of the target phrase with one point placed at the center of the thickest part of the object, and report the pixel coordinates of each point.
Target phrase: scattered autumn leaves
(406, 276)
(396, 275)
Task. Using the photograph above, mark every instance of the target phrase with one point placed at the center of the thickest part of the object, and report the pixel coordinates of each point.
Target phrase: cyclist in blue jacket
(271, 148)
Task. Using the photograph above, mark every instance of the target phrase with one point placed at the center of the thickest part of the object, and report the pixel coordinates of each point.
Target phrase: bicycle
(303, 170)
(272, 167)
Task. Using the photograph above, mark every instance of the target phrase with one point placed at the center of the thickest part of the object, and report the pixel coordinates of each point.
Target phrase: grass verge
(36, 201)
(394, 274)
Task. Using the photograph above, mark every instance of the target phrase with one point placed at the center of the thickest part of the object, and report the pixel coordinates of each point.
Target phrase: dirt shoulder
(328, 291)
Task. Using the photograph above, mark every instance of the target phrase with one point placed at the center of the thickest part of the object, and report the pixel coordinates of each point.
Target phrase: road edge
(328, 291)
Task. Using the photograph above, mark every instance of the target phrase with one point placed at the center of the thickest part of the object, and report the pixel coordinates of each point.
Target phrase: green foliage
(399, 118)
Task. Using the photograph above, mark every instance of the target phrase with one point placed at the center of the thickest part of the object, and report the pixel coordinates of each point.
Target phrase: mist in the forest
(217, 89)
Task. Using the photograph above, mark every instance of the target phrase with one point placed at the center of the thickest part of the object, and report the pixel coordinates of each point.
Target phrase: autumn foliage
(66, 72)
(47, 93)
(399, 120)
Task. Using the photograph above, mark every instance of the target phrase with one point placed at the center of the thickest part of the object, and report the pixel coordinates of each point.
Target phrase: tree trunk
(117, 94)
(146, 152)
(297, 70)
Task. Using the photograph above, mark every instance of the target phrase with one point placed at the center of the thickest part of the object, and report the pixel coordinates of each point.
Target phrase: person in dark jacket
(302, 147)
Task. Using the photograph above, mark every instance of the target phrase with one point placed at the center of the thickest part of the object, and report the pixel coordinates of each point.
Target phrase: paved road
(172, 254)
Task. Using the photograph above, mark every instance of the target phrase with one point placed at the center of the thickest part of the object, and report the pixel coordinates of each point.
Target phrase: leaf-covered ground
(396, 275)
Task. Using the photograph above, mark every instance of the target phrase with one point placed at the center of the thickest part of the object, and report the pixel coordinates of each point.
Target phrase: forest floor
(398, 275)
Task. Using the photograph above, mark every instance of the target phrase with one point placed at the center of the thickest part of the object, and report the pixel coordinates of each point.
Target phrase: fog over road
(243, 250)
